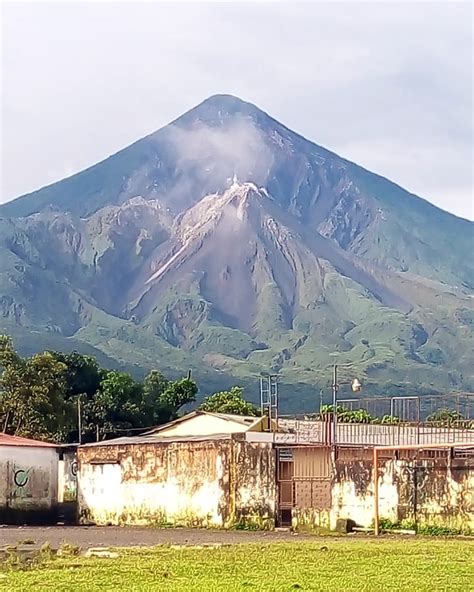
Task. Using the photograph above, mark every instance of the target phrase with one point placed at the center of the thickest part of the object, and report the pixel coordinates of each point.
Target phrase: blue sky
(387, 85)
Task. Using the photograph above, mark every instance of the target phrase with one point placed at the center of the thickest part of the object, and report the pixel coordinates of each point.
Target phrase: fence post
(376, 493)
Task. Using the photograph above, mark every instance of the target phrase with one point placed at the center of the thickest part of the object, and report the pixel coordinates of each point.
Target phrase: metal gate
(304, 480)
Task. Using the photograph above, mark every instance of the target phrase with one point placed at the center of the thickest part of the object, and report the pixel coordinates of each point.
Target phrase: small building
(28, 480)
(205, 423)
(204, 469)
(218, 470)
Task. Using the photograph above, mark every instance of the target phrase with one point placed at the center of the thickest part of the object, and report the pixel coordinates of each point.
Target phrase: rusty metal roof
(7, 440)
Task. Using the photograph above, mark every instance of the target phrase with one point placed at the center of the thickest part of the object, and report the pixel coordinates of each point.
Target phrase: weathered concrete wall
(430, 492)
(218, 483)
(28, 484)
(67, 477)
(353, 492)
(184, 483)
(436, 493)
(232, 481)
(253, 468)
(423, 492)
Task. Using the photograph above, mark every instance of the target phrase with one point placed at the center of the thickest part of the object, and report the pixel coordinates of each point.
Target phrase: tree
(39, 396)
(31, 394)
(116, 407)
(156, 410)
(83, 377)
(83, 374)
(229, 402)
(179, 393)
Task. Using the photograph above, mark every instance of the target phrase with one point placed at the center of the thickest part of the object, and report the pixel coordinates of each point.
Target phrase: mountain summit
(225, 236)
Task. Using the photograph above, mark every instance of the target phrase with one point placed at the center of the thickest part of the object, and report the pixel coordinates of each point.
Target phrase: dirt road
(93, 536)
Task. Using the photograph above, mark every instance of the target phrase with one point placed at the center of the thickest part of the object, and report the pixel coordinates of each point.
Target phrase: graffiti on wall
(21, 481)
(21, 477)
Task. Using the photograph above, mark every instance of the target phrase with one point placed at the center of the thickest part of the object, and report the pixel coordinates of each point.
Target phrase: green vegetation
(445, 417)
(326, 565)
(39, 396)
(229, 402)
(424, 529)
(442, 417)
(345, 415)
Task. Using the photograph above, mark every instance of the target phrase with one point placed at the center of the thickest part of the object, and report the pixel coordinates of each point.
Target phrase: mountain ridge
(9, 206)
(225, 236)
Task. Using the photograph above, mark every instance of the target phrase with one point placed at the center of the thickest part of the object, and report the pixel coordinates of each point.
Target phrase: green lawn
(334, 564)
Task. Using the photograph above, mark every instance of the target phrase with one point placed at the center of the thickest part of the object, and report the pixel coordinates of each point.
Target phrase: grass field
(328, 565)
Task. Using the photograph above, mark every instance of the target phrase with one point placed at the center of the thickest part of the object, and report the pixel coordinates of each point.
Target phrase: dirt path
(93, 536)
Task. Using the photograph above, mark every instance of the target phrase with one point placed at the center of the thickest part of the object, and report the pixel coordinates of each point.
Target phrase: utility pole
(79, 419)
(335, 387)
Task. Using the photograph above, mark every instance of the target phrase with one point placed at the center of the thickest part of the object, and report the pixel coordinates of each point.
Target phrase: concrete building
(202, 470)
(220, 470)
(28, 480)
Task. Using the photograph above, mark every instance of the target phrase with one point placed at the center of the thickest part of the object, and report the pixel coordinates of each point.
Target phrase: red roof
(7, 440)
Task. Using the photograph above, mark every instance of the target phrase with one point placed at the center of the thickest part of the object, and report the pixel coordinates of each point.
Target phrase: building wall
(437, 493)
(426, 492)
(228, 482)
(429, 492)
(203, 425)
(28, 484)
(67, 477)
(215, 483)
(254, 470)
(177, 482)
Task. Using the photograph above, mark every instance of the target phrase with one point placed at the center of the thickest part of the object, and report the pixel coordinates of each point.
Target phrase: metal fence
(300, 431)
(414, 408)
(393, 421)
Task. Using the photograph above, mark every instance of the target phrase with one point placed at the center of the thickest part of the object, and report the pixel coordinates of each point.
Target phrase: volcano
(229, 244)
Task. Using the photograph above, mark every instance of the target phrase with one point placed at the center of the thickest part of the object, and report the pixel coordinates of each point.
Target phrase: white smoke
(237, 148)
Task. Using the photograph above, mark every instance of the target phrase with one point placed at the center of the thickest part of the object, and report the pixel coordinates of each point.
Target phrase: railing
(412, 408)
(296, 431)
(402, 434)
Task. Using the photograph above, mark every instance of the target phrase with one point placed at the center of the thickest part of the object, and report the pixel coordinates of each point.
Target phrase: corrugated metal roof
(7, 440)
(157, 439)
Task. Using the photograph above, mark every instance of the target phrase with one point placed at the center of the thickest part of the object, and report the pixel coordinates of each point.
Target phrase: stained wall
(28, 484)
(208, 483)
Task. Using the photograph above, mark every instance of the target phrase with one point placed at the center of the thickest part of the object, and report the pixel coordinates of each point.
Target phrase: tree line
(44, 395)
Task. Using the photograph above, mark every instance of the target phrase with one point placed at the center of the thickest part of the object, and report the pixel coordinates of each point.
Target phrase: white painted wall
(203, 425)
(451, 492)
(36, 470)
(184, 498)
(348, 503)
